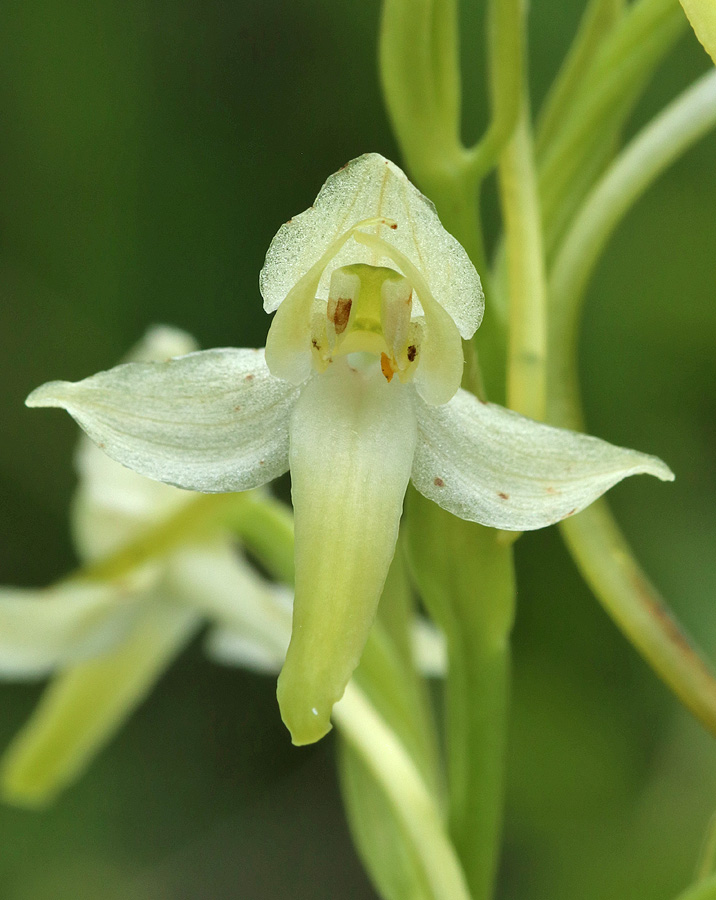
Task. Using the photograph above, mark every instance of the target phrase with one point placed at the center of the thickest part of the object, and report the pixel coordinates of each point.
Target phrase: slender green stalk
(527, 344)
(631, 52)
(706, 867)
(390, 687)
(595, 541)
(597, 21)
(607, 564)
(473, 603)
(505, 48)
(388, 676)
(391, 766)
(420, 74)
(684, 121)
(265, 527)
(706, 890)
(204, 513)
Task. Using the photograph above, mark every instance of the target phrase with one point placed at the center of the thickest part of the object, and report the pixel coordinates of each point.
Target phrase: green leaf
(702, 15)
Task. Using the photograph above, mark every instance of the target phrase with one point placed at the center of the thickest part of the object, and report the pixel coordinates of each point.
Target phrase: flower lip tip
(304, 734)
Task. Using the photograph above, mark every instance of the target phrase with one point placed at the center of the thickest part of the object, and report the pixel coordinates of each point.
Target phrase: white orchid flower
(107, 640)
(358, 392)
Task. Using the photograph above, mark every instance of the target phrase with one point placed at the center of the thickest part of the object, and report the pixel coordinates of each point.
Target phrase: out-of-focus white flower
(107, 639)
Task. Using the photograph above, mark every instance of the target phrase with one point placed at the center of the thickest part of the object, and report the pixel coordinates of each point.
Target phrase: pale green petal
(369, 187)
(288, 344)
(112, 504)
(84, 706)
(352, 444)
(210, 421)
(702, 15)
(487, 464)
(217, 582)
(45, 628)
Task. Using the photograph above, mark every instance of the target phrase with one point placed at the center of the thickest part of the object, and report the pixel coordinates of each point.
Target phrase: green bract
(358, 392)
(702, 15)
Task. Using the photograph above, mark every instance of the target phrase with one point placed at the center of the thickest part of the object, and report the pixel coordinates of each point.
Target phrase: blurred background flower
(149, 152)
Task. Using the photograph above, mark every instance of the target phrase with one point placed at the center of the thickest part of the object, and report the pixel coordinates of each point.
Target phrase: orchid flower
(358, 392)
(106, 640)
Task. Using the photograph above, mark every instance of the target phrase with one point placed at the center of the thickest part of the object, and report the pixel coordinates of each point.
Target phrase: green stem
(527, 345)
(202, 513)
(598, 19)
(706, 890)
(412, 804)
(595, 541)
(420, 76)
(684, 121)
(265, 527)
(505, 47)
(607, 564)
(707, 860)
(628, 55)
(465, 576)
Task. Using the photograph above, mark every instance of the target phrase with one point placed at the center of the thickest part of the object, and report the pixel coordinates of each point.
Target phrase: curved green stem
(505, 47)
(607, 564)
(203, 513)
(598, 19)
(265, 527)
(706, 890)
(412, 804)
(420, 75)
(465, 576)
(661, 142)
(595, 541)
(707, 860)
(628, 55)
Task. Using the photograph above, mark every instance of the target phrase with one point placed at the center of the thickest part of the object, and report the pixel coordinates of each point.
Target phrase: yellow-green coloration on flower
(358, 392)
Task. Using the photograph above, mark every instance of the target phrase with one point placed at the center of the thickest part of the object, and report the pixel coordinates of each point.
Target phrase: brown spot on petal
(503, 495)
(551, 490)
(394, 226)
(237, 409)
(316, 345)
(439, 482)
(412, 352)
(248, 377)
(571, 512)
(101, 445)
(386, 367)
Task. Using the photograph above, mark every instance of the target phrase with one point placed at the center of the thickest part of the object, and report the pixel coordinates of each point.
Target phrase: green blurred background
(148, 152)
